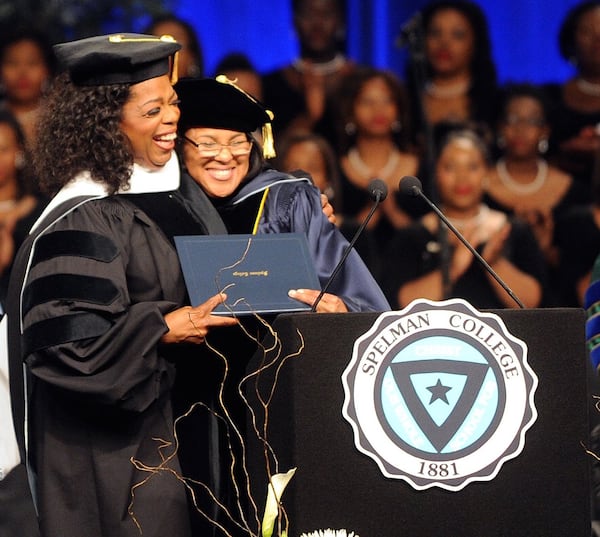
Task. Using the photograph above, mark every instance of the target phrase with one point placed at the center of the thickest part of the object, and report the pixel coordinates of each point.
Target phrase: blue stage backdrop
(524, 33)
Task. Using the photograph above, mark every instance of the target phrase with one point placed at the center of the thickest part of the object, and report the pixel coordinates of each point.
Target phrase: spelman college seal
(439, 394)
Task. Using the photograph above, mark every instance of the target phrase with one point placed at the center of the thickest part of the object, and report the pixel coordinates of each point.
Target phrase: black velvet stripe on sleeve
(64, 329)
(75, 243)
(69, 287)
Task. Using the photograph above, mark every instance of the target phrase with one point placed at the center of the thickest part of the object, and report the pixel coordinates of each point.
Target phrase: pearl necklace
(447, 92)
(523, 188)
(321, 68)
(474, 222)
(588, 88)
(359, 165)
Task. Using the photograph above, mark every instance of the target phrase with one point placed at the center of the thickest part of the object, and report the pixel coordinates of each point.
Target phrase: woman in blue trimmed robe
(227, 161)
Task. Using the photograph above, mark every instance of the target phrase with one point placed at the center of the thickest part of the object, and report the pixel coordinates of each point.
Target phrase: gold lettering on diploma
(247, 273)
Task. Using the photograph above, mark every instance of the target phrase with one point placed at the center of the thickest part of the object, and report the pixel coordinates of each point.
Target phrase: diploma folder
(255, 271)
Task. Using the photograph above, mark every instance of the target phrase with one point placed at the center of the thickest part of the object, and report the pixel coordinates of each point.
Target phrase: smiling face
(460, 171)
(449, 42)
(149, 120)
(219, 175)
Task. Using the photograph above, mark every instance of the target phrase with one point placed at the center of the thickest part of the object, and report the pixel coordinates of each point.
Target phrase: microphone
(378, 191)
(412, 186)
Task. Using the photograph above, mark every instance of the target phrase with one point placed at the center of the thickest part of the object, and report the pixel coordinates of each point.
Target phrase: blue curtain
(524, 34)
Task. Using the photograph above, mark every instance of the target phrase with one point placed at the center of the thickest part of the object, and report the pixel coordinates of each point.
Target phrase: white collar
(141, 181)
(145, 181)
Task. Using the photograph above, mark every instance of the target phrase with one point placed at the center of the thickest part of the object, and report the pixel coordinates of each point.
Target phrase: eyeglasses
(237, 148)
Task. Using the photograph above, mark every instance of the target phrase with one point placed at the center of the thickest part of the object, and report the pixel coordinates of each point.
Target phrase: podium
(544, 491)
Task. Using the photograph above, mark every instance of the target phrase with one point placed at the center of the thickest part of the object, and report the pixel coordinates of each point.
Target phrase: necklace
(523, 188)
(447, 92)
(588, 88)
(321, 68)
(359, 165)
(474, 221)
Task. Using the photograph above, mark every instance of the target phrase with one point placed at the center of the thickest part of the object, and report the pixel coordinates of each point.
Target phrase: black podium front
(544, 491)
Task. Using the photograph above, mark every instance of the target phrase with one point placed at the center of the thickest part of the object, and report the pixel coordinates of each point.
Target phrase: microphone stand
(378, 199)
(413, 35)
(445, 258)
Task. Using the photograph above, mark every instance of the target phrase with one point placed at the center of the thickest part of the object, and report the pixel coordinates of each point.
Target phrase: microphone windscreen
(378, 190)
(410, 185)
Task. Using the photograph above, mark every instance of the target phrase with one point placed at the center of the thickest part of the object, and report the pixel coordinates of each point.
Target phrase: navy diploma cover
(255, 271)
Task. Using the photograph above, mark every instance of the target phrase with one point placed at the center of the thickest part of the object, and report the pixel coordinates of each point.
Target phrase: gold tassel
(174, 77)
(268, 140)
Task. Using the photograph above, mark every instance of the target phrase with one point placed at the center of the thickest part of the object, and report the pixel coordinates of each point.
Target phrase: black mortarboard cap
(219, 103)
(118, 58)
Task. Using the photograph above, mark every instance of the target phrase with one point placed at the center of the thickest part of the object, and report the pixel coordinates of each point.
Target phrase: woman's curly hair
(79, 130)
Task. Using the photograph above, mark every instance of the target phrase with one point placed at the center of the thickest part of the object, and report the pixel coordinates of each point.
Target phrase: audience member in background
(311, 153)
(20, 203)
(27, 63)
(575, 142)
(238, 67)
(374, 116)
(428, 261)
(460, 73)
(190, 62)
(19, 518)
(299, 94)
(522, 182)
(578, 241)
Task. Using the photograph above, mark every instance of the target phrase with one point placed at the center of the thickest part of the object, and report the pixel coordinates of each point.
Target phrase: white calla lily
(276, 488)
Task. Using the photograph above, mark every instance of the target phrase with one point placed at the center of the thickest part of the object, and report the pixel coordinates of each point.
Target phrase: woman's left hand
(328, 303)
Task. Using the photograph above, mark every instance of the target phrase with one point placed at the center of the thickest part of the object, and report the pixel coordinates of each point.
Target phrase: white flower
(329, 533)
(276, 488)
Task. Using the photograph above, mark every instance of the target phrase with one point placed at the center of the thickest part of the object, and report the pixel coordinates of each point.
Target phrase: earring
(19, 160)
(543, 145)
(396, 126)
(350, 128)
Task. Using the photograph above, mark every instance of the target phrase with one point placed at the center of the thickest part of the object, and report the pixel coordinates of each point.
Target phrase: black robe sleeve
(92, 310)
